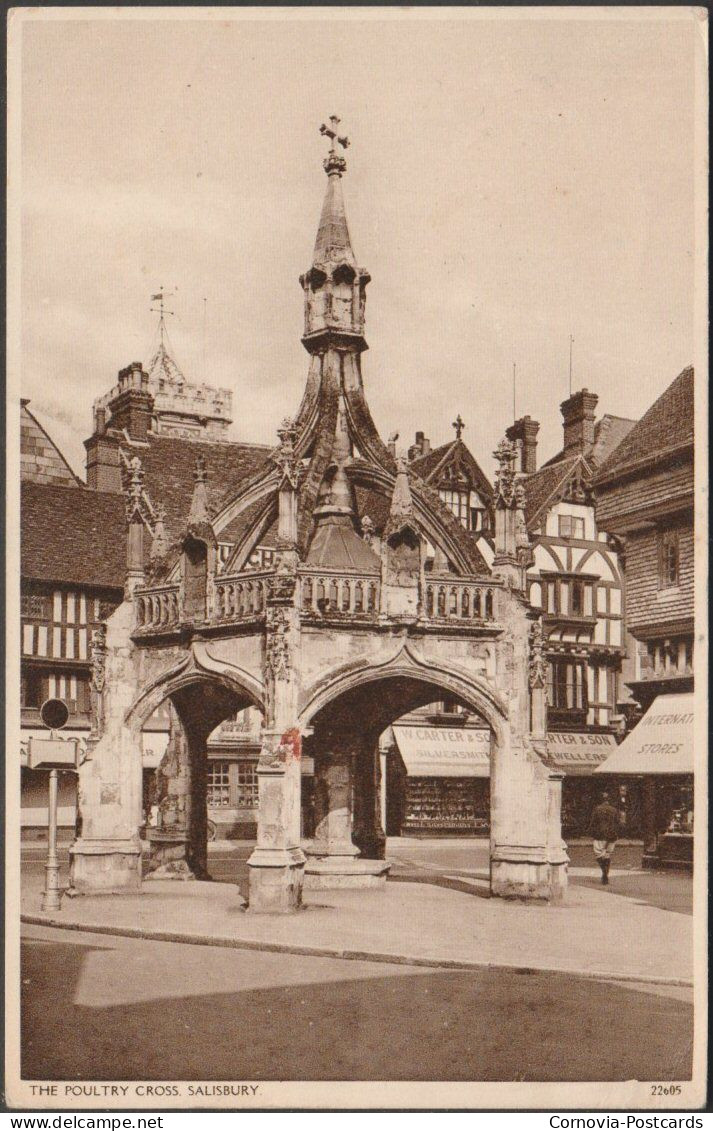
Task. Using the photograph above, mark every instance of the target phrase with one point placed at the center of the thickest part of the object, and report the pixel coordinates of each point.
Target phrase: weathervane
(161, 310)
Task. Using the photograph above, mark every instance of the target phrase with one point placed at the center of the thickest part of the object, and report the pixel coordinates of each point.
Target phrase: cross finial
(332, 133)
(333, 163)
(459, 425)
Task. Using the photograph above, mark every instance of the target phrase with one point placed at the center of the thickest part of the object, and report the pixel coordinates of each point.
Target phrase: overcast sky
(510, 182)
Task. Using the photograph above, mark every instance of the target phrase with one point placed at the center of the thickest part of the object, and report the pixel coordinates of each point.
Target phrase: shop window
(218, 791)
(668, 559)
(247, 785)
(571, 527)
(567, 686)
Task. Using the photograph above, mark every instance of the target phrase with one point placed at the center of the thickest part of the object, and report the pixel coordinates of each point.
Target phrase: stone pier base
(519, 874)
(344, 872)
(276, 878)
(168, 860)
(105, 866)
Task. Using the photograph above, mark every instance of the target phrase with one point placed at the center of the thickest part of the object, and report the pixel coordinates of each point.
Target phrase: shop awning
(662, 743)
(576, 754)
(444, 752)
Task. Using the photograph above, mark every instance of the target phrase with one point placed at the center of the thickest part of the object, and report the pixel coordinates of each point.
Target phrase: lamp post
(53, 753)
(52, 896)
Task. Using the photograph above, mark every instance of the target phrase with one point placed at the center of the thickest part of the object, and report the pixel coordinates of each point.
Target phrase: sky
(510, 182)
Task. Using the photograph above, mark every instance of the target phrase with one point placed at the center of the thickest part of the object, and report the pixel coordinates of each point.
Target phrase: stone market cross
(342, 635)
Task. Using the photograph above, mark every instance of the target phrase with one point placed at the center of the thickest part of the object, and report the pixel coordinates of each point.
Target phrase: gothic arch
(407, 664)
(247, 690)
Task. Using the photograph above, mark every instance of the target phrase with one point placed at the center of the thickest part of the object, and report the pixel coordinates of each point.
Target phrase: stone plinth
(105, 866)
(516, 873)
(276, 880)
(168, 855)
(344, 872)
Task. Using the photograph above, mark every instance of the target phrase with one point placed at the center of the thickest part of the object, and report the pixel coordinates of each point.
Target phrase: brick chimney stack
(420, 447)
(578, 417)
(525, 430)
(128, 408)
(131, 408)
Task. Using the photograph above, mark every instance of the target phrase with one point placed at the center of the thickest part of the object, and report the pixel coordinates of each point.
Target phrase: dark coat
(604, 824)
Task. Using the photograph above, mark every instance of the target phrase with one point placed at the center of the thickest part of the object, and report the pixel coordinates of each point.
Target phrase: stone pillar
(333, 805)
(368, 832)
(528, 858)
(107, 855)
(277, 863)
(171, 838)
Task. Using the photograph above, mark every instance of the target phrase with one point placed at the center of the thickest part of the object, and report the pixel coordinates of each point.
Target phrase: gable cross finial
(459, 425)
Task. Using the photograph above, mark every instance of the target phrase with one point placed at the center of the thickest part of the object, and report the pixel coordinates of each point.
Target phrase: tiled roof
(169, 463)
(545, 484)
(40, 459)
(608, 434)
(336, 544)
(667, 424)
(73, 535)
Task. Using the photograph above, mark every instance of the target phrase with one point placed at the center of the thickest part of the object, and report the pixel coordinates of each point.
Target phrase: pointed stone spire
(401, 509)
(401, 552)
(200, 511)
(135, 533)
(159, 544)
(135, 491)
(334, 286)
(333, 244)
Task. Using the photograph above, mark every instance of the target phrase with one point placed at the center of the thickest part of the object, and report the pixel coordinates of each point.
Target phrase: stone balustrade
(241, 596)
(158, 607)
(322, 592)
(330, 592)
(459, 600)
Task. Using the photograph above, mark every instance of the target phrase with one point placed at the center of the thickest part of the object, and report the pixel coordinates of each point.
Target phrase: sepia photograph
(356, 402)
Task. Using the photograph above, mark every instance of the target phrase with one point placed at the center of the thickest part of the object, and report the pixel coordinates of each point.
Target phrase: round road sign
(54, 713)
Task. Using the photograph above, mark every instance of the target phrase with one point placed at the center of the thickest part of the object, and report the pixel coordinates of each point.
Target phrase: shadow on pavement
(489, 1025)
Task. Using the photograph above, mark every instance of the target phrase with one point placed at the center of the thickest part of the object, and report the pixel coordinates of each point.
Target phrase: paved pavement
(133, 1009)
(436, 910)
(443, 861)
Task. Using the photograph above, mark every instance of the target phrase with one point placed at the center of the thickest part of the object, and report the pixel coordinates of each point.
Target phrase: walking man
(604, 828)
